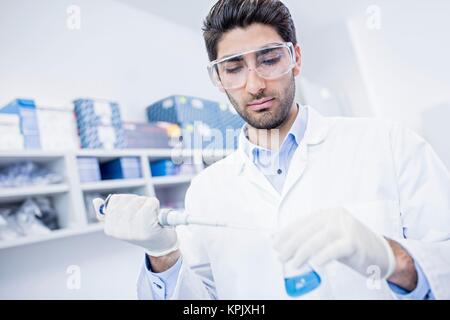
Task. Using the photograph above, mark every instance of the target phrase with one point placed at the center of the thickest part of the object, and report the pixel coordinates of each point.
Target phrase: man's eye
(233, 70)
(271, 61)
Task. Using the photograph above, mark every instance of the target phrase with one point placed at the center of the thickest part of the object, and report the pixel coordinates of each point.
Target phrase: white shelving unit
(56, 234)
(69, 196)
(171, 180)
(14, 194)
(109, 185)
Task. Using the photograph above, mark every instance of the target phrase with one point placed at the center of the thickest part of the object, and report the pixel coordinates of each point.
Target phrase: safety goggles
(269, 62)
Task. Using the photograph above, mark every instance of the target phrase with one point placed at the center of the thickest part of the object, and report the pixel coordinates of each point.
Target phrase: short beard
(268, 119)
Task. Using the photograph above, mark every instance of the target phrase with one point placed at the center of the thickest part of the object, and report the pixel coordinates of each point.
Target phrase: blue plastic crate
(194, 115)
(97, 112)
(183, 109)
(90, 137)
(94, 116)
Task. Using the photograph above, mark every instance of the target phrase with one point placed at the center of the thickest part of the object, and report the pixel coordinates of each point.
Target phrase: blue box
(98, 112)
(94, 137)
(99, 124)
(182, 110)
(88, 169)
(121, 168)
(197, 117)
(163, 168)
(26, 109)
(229, 118)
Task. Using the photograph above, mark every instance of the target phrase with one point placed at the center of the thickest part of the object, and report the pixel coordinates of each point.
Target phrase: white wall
(406, 68)
(329, 60)
(108, 269)
(119, 53)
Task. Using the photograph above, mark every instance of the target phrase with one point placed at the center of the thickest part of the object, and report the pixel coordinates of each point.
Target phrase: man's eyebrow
(235, 59)
(265, 46)
(263, 52)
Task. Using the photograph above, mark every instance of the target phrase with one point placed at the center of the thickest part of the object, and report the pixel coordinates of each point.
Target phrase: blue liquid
(302, 284)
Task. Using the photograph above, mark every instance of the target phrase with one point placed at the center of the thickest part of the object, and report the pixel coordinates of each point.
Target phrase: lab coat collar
(317, 128)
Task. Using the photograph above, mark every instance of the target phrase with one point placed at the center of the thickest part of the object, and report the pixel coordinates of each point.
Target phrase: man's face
(250, 101)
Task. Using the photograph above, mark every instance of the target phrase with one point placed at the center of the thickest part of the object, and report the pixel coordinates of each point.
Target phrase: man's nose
(255, 84)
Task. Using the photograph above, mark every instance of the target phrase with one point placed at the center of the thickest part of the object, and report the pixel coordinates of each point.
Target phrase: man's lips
(261, 104)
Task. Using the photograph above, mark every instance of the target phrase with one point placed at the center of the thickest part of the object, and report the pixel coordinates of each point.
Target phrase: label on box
(103, 111)
(106, 133)
(223, 106)
(168, 103)
(196, 103)
(182, 100)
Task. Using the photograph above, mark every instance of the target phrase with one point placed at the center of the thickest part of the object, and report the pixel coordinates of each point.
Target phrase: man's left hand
(334, 234)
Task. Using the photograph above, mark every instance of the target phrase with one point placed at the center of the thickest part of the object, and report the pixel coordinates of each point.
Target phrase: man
(362, 205)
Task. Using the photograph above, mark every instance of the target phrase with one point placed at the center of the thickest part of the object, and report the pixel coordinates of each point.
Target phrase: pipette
(170, 218)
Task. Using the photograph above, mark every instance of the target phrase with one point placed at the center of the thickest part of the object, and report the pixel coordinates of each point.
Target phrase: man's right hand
(134, 219)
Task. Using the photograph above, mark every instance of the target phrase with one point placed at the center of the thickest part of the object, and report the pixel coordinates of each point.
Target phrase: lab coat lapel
(296, 168)
(316, 130)
(248, 170)
(144, 291)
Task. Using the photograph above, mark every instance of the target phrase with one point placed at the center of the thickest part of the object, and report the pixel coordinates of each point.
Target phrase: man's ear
(298, 59)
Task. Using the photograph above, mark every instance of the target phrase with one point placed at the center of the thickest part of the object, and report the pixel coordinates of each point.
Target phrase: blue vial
(300, 281)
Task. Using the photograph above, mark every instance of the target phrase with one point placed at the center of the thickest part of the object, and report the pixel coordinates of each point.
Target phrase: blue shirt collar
(296, 132)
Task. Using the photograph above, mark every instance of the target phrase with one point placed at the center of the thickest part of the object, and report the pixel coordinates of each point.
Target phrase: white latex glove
(334, 234)
(134, 219)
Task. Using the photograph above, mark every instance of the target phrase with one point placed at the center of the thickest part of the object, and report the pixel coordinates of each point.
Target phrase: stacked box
(26, 110)
(88, 169)
(163, 168)
(199, 119)
(145, 135)
(57, 129)
(121, 168)
(99, 124)
(10, 136)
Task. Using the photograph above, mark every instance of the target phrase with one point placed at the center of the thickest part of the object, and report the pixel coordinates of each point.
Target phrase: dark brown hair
(226, 15)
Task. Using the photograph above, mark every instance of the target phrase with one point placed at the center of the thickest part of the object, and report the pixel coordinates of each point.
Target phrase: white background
(136, 52)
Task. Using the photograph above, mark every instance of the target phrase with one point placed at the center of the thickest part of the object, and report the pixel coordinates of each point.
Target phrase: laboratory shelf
(113, 184)
(20, 193)
(154, 153)
(53, 235)
(171, 180)
(29, 155)
(69, 197)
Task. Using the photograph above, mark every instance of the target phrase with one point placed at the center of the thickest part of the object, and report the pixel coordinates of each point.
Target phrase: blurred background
(119, 65)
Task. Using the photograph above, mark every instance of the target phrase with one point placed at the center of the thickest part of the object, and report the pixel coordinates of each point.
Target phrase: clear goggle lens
(269, 63)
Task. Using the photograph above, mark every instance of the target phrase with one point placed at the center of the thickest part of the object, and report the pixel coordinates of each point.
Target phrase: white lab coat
(388, 177)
